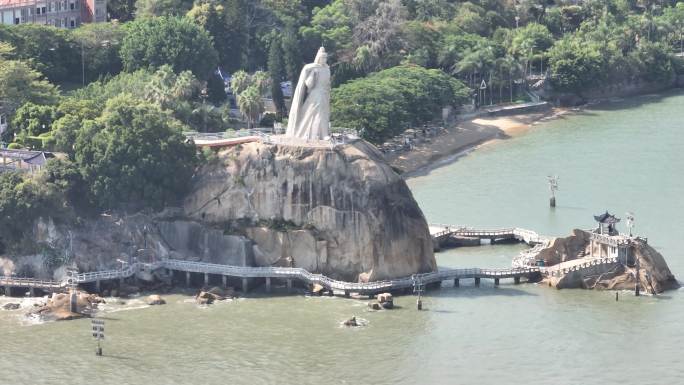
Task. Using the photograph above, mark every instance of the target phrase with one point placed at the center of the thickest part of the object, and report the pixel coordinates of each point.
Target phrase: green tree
(22, 201)
(49, 50)
(121, 10)
(100, 43)
(389, 101)
(225, 22)
(277, 72)
(251, 104)
(153, 42)
(20, 84)
(575, 65)
(34, 119)
(134, 156)
(153, 8)
(239, 82)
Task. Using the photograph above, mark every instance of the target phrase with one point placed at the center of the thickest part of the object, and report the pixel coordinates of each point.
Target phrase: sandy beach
(462, 137)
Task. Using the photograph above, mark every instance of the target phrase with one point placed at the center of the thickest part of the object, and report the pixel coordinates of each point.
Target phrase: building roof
(607, 218)
(30, 157)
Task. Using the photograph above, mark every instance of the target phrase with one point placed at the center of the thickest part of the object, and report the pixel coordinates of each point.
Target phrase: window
(72, 23)
(16, 20)
(72, 6)
(37, 11)
(43, 10)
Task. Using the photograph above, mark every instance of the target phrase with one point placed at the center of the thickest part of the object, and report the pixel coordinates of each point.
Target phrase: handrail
(277, 272)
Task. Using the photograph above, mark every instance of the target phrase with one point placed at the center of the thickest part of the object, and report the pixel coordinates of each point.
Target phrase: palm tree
(250, 104)
(239, 82)
(262, 81)
(513, 67)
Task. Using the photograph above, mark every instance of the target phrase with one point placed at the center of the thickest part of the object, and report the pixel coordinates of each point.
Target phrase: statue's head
(321, 57)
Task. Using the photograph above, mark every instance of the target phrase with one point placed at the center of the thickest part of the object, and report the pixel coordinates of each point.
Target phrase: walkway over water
(440, 232)
(288, 274)
(522, 267)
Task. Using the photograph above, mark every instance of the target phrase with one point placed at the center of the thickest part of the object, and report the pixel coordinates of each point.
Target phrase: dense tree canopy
(153, 42)
(134, 156)
(389, 101)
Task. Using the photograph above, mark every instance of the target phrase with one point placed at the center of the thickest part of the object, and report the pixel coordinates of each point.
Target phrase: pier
(268, 274)
(441, 233)
(523, 267)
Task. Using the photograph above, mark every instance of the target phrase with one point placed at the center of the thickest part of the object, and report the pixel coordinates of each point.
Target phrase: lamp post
(630, 222)
(203, 96)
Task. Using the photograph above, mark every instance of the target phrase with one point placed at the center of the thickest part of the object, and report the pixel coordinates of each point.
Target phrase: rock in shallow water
(11, 306)
(155, 299)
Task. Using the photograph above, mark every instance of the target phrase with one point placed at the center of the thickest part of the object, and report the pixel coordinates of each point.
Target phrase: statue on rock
(310, 112)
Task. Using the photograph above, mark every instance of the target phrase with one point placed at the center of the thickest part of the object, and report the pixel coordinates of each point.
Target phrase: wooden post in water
(187, 279)
(636, 281)
(418, 288)
(268, 284)
(224, 281)
(553, 186)
(477, 281)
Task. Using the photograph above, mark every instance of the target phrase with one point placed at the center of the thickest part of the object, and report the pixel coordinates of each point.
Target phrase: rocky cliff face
(342, 212)
(101, 243)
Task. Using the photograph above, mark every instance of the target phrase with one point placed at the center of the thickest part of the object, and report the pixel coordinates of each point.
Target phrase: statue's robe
(310, 112)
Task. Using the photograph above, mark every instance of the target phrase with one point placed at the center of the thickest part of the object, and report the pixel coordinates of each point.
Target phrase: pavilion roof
(606, 218)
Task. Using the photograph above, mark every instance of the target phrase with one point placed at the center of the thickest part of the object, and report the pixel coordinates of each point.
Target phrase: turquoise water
(622, 157)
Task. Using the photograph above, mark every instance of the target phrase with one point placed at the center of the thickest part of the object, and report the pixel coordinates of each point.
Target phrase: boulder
(58, 307)
(386, 300)
(374, 305)
(155, 299)
(351, 322)
(317, 289)
(209, 297)
(11, 306)
(340, 211)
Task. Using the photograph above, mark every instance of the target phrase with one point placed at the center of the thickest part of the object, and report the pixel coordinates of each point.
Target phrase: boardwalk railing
(570, 266)
(275, 272)
(31, 283)
(523, 235)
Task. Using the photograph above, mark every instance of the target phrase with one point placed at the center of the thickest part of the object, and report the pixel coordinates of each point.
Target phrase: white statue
(310, 112)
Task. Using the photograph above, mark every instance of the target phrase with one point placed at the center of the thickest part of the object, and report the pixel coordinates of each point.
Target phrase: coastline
(467, 135)
(464, 137)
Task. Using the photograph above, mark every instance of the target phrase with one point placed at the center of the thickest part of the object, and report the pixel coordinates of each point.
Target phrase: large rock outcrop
(654, 276)
(342, 212)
